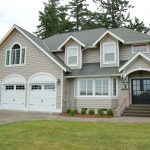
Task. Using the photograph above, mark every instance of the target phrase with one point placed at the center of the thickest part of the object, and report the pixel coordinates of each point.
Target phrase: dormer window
(143, 48)
(109, 52)
(72, 56)
(15, 56)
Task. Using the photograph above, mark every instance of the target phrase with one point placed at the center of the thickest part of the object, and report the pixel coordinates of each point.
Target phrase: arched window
(15, 56)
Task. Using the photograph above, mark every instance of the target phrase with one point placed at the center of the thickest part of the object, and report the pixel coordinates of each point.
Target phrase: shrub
(68, 111)
(76, 111)
(91, 112)
(110, 112)
(72, 112)
(83, 111)
(100, 112)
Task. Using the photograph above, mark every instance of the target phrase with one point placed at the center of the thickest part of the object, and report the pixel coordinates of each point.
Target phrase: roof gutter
(85, 76)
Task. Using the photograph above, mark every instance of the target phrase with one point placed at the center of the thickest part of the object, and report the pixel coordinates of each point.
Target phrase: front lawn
(61, 135)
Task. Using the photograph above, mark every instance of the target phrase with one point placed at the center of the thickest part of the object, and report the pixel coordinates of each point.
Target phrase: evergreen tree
(79, 13)
(138, 25)
(114, 12)
(53, 20)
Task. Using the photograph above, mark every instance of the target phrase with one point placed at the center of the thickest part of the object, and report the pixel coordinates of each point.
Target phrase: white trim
(16, 65)
(88, 76)
(70, 37)
(104, 34)
(109, 62)
(62, 90)
(140, 45)
(67, 49)
(132, 59)
(15, 27)
(17, 75)
(137, 69)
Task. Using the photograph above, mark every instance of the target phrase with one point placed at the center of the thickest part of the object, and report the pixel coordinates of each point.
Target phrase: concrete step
(135, 115)
(138, 108)
(136, 111)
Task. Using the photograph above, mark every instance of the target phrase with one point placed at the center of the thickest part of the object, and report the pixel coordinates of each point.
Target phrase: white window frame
(115, 59)
(140, 45)
(15, 65)
(94, 96)
(116, 87)
(67, 56)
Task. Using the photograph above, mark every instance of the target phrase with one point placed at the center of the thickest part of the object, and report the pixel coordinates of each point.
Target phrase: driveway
(15, 116)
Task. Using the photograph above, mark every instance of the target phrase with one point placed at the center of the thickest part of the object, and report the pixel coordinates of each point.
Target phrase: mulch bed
(85, 116)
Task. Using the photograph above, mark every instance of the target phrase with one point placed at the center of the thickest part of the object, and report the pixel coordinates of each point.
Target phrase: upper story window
(140, 48)
(15, 56)
(109, 52)
(72, 56)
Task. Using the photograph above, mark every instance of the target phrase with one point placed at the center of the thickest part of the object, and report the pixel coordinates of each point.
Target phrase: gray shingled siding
(36, 61)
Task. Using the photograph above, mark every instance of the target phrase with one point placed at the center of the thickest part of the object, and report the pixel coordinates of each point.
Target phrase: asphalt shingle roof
(88, 37)
(94, 69)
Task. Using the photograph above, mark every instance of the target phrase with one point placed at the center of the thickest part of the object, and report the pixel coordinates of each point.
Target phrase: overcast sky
(25, 13)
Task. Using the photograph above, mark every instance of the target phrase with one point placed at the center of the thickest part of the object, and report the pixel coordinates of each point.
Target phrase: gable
(38, 43)
(35, 59)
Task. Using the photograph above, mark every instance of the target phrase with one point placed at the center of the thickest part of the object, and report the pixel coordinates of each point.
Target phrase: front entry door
(140, 91)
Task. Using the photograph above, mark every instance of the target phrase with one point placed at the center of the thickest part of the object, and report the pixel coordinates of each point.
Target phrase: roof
(40, 44)
(88, 37)
(93, 69)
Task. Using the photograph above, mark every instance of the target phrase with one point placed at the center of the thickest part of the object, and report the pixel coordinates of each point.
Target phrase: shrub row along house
(98, 68)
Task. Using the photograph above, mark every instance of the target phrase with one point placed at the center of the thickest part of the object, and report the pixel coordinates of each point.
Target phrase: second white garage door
(42, 95)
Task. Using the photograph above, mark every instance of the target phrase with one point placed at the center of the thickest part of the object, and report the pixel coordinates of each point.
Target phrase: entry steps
(137, 110)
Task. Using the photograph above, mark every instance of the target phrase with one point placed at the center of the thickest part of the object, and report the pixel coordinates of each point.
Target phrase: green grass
(61, 135)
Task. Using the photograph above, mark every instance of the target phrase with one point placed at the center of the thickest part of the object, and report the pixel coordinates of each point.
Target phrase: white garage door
(42, 96)
(13, 95)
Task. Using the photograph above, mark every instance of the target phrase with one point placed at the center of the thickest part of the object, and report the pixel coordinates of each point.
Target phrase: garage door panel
(43, 97)
(13, 97)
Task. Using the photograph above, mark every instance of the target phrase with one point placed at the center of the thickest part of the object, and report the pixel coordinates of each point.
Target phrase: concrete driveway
(15, 116)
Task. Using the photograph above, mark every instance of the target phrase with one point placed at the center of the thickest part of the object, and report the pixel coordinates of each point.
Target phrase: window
(49, 86)
(94, 87)
(101, 87)
(36, 87)
(114, 87)
(86, 87)
(109, 52)
(9, 87)
(15, 56)
(20, 87)
(72, 56)
(140, 48)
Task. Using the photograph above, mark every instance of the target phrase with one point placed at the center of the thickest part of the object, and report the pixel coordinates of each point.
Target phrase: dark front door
(140, 91)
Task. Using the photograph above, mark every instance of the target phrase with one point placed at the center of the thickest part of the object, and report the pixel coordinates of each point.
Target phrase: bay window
(72, 56)
(94, 87)
(109, 52)
(15, 55)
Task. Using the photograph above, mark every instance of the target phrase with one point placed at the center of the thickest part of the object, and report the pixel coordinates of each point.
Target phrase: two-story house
(98, 68)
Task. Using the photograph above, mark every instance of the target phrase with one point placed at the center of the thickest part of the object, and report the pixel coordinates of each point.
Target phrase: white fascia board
(104, 34)
(70, 37)
(132, 59)
(88, 76)
(41, 49)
